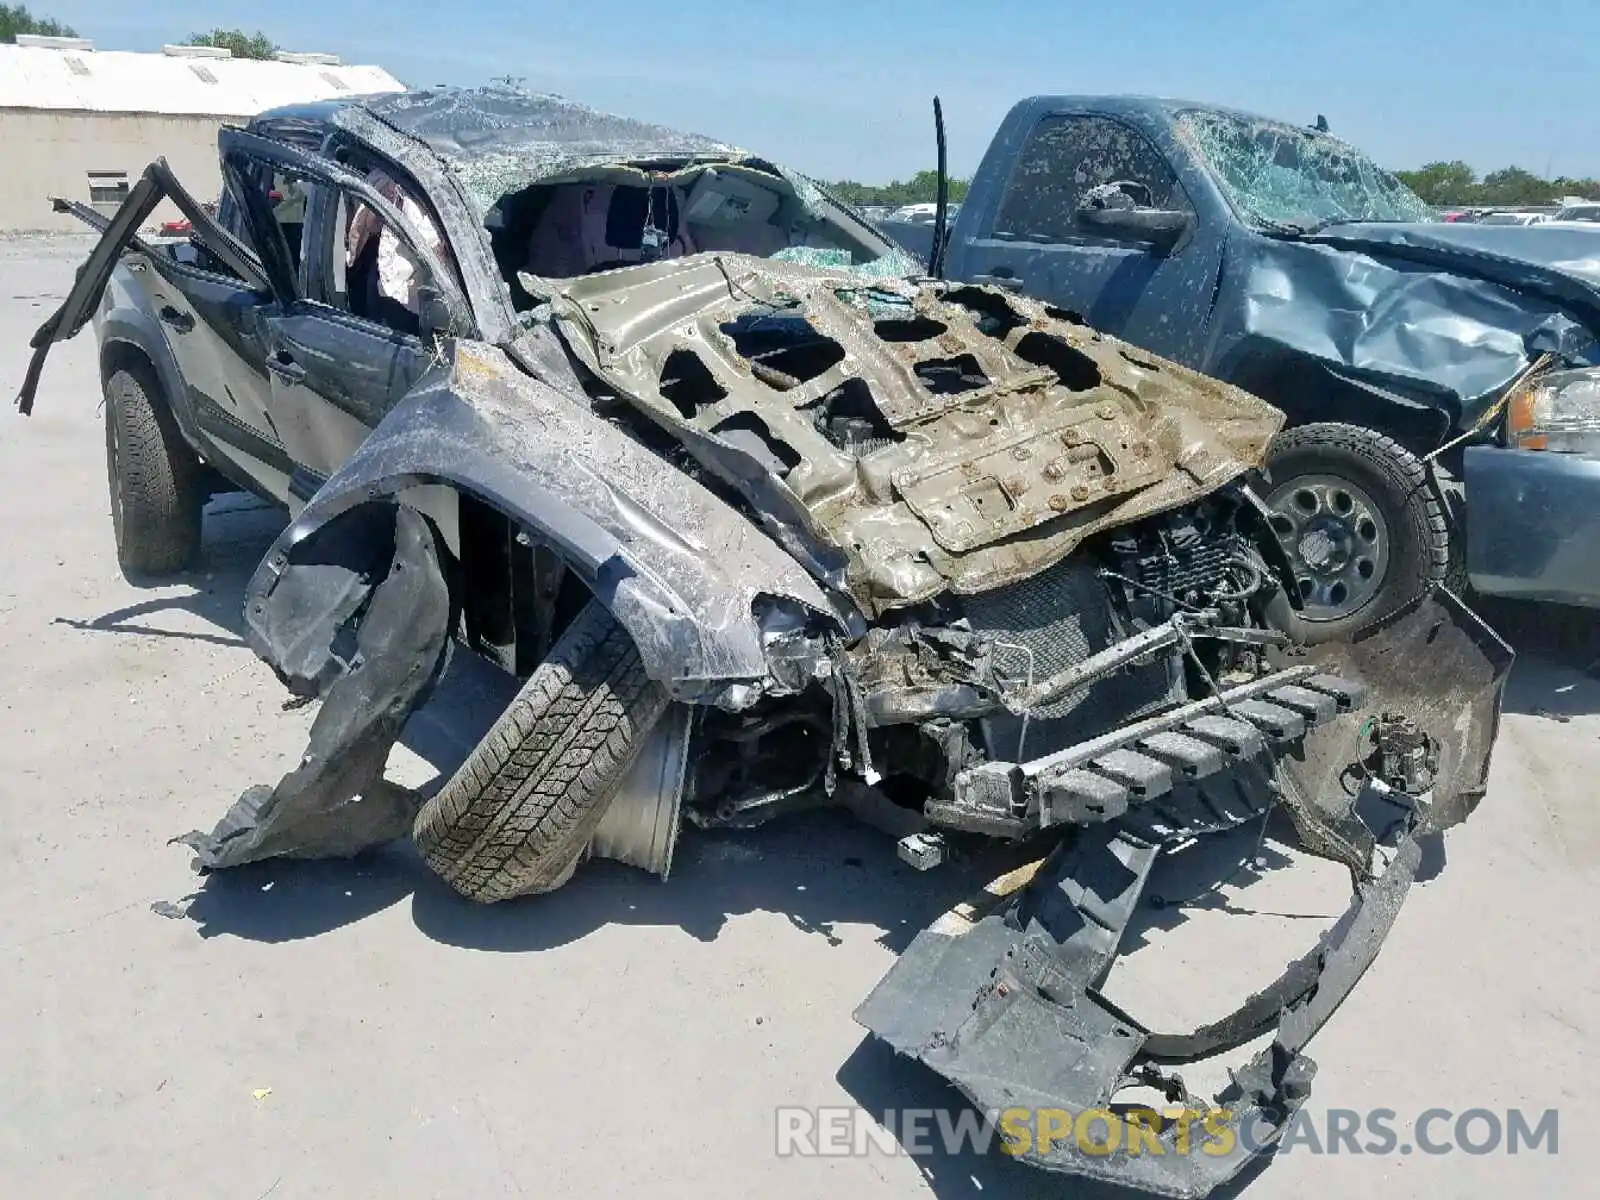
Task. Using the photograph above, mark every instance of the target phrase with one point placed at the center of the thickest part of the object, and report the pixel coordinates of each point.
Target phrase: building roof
(179, 81)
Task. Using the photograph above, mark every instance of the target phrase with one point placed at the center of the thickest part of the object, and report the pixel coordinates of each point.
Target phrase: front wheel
(1362, 527)
(516, 816)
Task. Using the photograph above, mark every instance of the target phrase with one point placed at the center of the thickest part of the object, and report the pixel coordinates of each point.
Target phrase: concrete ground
(354, 1029)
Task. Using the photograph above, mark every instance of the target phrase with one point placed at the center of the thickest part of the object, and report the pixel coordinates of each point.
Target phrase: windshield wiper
(1312, 228)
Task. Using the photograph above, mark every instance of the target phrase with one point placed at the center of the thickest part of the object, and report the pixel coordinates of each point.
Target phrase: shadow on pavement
(1557, 675)
(284, 901)
(236, 534)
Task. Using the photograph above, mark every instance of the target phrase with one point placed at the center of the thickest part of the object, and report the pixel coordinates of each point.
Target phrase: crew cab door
(1035, 240)
(340, 353)
(205, 299)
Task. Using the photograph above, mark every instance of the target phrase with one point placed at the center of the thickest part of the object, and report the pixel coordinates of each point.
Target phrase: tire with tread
(156, 479)
(1420, 553)
(516, 816)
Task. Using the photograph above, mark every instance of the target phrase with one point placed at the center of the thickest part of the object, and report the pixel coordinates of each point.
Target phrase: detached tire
(1362, 526)
(515, 818)
(155, 478)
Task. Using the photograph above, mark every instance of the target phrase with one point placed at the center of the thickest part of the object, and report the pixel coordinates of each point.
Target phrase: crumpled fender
(1422, 339)
(678, 567)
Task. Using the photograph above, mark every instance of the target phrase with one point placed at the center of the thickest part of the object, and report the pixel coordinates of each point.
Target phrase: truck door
(347, 342)
(1121, 283)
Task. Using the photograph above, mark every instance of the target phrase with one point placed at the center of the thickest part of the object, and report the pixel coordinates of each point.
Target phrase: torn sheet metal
(938, 438)
(696, 584)
(336, 803)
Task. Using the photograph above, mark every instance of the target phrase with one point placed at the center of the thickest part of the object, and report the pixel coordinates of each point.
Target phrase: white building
(82, 123)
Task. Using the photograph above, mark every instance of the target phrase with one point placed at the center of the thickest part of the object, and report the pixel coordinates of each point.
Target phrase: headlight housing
(1559, 411)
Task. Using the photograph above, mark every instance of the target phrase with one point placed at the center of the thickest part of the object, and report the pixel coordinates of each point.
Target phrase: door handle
(286, 369)
(1007, 282)
(179, 320)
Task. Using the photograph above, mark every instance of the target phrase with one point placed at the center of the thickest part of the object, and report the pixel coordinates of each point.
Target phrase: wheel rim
(1337, 542)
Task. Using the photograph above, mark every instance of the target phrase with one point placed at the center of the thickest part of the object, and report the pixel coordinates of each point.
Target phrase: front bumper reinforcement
(1007, 1007)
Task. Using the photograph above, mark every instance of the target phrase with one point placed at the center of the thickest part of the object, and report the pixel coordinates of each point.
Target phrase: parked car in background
(1587, 211)
(917, 214)
(1513, 218)
(1286, 261)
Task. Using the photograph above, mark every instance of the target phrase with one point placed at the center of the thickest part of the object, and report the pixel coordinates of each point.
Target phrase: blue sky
(840, 88)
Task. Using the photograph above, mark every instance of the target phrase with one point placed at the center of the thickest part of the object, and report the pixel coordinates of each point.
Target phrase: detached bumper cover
(1533, 524)
(1006, 1007)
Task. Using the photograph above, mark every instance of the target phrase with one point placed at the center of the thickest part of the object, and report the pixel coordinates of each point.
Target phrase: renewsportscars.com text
(846, 1131)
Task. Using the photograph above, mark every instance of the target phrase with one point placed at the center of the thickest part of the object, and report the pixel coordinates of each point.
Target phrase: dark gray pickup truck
(1285, 261)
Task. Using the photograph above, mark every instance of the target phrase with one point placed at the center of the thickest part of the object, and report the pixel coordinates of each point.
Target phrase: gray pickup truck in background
(1442, 381)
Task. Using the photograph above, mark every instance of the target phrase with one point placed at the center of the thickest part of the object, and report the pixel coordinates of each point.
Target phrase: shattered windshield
(1282, 175)
(566, 190)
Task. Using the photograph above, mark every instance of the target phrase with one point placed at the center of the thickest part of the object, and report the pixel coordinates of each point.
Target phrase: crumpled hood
(1561, 264)
(1427, 316)
(903, 440)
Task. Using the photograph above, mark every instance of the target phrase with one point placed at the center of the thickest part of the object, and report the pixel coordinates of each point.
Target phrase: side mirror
(1124, 209)
(433, 313)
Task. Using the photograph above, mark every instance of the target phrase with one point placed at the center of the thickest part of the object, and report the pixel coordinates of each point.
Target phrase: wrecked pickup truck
(1441, 381)
(762, 521)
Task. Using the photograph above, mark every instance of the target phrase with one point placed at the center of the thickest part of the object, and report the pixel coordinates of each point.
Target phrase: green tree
(1513, 185)
(19, 20)
(921, 188)
(243, 45)
(1442, 182)
(1589, 189)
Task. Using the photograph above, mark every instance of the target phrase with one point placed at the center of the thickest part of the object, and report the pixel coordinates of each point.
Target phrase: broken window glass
(377, 273)
(1277, 174)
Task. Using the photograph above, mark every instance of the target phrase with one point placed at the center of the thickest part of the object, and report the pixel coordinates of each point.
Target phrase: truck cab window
(1064, 157)
(285, 196)
(374, 272)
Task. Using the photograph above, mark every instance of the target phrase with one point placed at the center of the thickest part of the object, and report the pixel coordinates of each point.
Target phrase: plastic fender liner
(336, 803)
(677, 566)
(1434, 660)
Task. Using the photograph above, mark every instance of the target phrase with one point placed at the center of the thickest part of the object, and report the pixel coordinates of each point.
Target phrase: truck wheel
(1363, 530)
(517, 815)
(156, 479)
